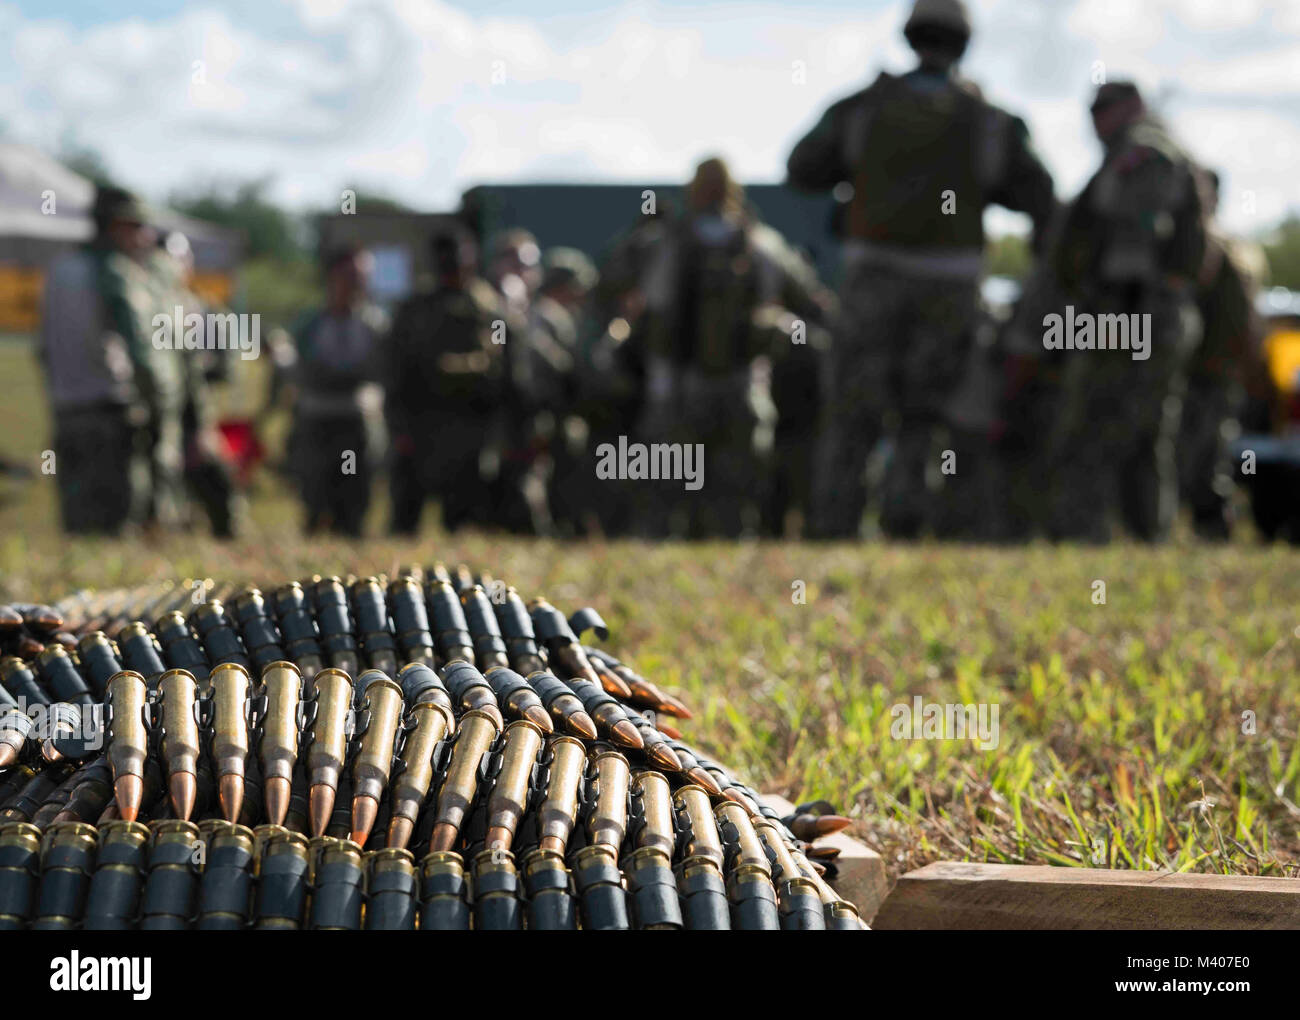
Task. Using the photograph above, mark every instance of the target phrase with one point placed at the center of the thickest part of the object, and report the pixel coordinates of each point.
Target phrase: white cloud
(401, 94)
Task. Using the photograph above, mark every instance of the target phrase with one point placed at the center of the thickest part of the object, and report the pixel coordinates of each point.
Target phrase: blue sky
(422, 98)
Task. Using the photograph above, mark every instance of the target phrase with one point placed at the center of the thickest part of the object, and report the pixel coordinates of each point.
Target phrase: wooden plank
(951, 895)
(860, 877)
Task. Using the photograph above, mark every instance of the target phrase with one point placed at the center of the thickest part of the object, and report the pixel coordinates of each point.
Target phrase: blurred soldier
(924, 154)
(1231, 333)
(612, 366)
(515, 272)
(711, 277)
(1132, 244)
(115, 398)
(557, 488)
(446, 390)
(337, 394)
(206, 475)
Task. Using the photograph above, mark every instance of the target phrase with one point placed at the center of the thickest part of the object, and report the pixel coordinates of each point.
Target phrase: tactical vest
(717, 294)
(907, 149)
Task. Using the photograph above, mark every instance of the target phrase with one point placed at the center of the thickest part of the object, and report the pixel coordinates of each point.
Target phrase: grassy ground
(1123, 740)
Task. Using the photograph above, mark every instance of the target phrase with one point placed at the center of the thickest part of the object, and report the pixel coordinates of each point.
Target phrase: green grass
(1121, 724)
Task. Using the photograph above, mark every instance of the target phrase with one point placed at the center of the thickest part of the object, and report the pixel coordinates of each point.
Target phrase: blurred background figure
(1133, 243)
(337, 398)
(1228, 357)
(558, 488)
(446, 372)
(207, 476)
(712, 276)
(921, 155)
(115, 400)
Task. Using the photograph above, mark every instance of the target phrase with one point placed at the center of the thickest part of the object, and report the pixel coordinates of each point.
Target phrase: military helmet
(945, 14)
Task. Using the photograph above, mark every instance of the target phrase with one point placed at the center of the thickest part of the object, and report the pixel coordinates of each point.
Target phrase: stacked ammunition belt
(425, 752)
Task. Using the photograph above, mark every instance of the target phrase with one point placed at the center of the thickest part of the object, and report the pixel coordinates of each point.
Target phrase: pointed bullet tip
(701, 776)
(184, 790)
(581, 724)
(625, 734)
(129, 791)
(230, 791)
(8, 755)
(277, 799)
(664, 756)
(537, 715)
(364, 811)
(319, 807)
(399, 832)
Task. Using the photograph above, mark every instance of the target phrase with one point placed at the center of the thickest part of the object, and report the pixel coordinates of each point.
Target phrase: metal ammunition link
(549, 904)
(20, 871)
(443, 906)
(282, 874)
(600, 889)
(652, 889)
(226, 889)
(67, 860)
(390, 890)
(172, 884)
(496, 892)
(119, 876)
(336, 890)
(703, 894)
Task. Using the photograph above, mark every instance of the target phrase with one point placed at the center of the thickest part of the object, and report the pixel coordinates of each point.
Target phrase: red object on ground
(241, 447)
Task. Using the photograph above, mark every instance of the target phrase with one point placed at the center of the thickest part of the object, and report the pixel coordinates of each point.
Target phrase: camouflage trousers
(899, 352)
(729, 418)
(1205, 479)
(1113, 444)
(445, 465)
(330, 456)
(102, 469)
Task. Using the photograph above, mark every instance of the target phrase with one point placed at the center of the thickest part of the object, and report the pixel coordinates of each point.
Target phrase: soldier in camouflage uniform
(337, 397)
(207, 476)
(446, 391)
(924, 154)
(1132, 244)
(116, 397)
(1229, 351)
(558, 488)
(712, 275)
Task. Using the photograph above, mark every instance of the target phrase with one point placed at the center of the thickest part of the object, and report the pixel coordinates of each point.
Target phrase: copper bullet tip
(399, 831)
(364, 811)
(808, 827)
(129, 791)
(581, 724)
(537, 714)
(626, 735)
(612, 683)
(230, 791)
(319, 807)
(675, 707)
(50, 753)
(184, 789)
(732, 794)
(668, 731)
(665, 757)
(443, 836)
(701, 775)
(277, 799)
(8, 755)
